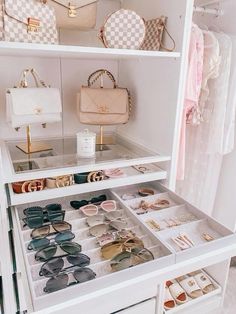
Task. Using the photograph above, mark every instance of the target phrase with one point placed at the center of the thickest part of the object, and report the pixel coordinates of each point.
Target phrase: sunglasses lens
(46, 253)
(57, 283)
(65, 236)
(99, 230)
(52, 267)
(53, 208)
(34, 221)
(99, 199)
(71, 247)
(81, 260)
(61, 226)
(56, 216)
(78, 204)
(33, 211)
(118, 224)
(38, 244)
(40, 232)
(84, 274)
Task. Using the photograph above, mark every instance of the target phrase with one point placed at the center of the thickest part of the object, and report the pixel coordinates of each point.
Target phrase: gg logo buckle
(96, 176)
(32, 186)
(72, 11)
(33, 25)
(63, 181)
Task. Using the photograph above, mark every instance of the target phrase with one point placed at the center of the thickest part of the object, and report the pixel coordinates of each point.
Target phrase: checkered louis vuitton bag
(27, 21)
(123, 29)
(154, 35)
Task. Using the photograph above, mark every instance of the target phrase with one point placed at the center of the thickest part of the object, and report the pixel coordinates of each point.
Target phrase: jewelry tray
(159, 243)
(105, 277)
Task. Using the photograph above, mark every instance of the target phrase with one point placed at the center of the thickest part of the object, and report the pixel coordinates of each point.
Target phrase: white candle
(86, 144)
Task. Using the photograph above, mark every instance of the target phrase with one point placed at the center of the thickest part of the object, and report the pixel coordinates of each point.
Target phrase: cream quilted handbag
(76, 14)
(37, 105)
(27, 21)
(103, 106)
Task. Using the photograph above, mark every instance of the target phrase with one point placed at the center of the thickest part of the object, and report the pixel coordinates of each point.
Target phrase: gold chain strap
(98, 74)
(23, 82)
(69, 5)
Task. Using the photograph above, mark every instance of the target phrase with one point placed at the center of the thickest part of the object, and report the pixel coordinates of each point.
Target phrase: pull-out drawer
(126, 287)
(111, 291)
(148, 306)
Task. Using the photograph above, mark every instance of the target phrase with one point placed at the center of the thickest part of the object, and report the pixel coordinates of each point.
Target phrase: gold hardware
(33, 25)
(103, 109)
(38, 110)
(72, 11)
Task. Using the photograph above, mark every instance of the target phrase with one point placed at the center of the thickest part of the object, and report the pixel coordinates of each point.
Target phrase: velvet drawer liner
(89, 246)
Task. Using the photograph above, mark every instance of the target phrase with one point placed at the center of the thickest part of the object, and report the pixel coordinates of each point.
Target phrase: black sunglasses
(94, 200)
(54, 266)
(40, 243)
(61, 281)
(36, 216)
(48, 252)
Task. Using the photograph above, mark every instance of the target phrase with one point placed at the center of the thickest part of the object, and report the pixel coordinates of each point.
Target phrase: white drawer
(148, 307)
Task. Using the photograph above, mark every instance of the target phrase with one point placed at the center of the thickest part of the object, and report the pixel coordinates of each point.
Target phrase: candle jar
(86, 144)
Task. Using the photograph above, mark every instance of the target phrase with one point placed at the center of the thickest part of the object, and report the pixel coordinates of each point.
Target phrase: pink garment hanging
(193, 89)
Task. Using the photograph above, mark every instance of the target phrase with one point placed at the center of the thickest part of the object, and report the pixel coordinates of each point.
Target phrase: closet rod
(208, 11)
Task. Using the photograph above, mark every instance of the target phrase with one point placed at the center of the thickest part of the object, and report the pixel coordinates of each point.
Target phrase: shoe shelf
(62, 159)
(168, 258)
(193, 303)
(100, 266)
(76, 52)
(131, 176)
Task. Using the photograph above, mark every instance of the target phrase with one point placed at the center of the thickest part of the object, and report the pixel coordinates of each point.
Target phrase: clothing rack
(205, 10)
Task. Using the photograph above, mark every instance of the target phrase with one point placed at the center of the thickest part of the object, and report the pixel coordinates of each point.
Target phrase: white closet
(156, 81)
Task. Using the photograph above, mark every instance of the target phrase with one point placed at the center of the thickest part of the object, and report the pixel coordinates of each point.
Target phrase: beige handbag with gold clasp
(103, 106)
(76, 14)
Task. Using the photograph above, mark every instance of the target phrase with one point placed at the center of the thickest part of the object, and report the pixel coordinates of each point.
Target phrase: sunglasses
(55, 227)
(48, 252)
(100, 229)
(36, 216)
(114, 248)
(61, 281)
(108, 206)
(94, 200)
(54, 266)
(40, 243)
(131, 258)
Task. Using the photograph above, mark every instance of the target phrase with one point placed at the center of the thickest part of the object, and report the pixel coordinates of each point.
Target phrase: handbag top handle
(98, 74)
(23, 80)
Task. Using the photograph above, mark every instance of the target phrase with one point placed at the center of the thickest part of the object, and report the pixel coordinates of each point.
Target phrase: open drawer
(107, 283)
(173, 220)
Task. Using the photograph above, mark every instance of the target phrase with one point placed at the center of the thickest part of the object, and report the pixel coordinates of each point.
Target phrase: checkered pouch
(154, 35)
(27, 21)
(124, 29)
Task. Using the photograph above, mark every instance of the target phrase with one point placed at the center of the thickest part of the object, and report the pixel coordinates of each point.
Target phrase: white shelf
(62, 51)
(123, 154)
(132, 177)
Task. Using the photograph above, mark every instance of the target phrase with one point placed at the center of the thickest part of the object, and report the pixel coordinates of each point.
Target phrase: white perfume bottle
(86, 144)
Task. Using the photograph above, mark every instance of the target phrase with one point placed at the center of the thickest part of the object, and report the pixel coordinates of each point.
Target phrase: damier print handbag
(123, 29)
(27, 21)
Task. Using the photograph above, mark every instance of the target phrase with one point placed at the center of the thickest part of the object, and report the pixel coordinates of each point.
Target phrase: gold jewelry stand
(103, 139)
(29, 147)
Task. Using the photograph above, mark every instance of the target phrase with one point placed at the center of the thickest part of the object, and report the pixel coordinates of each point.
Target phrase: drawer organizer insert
(174, 220)
(90, 247)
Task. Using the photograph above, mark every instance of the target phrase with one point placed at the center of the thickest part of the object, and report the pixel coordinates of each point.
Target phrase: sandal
(189, 284)
(169, 302)
(177, 292)
(203, 281)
